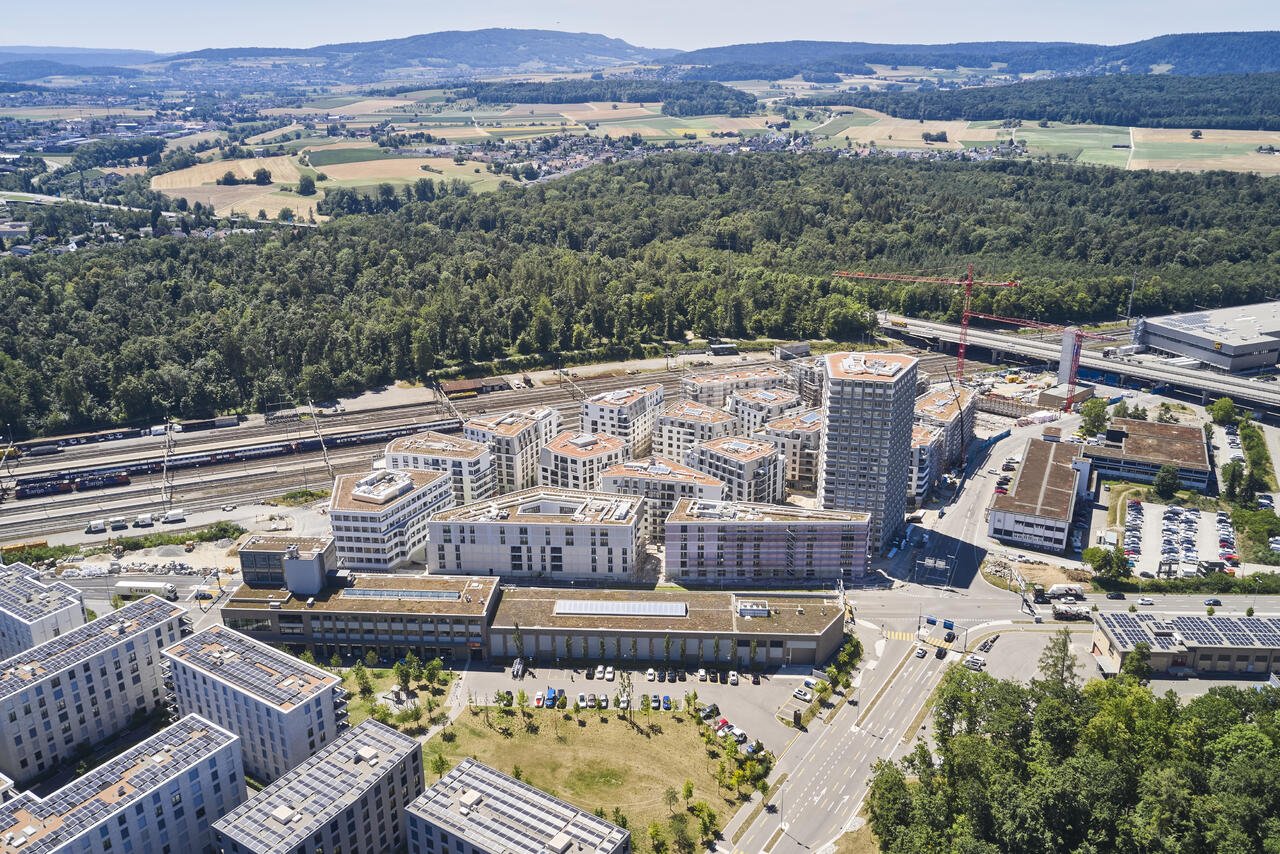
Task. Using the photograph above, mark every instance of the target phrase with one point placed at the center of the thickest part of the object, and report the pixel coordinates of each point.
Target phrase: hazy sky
(164, 25)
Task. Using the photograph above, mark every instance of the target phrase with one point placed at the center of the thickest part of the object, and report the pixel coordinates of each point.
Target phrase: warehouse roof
(385, 594)
(1178, 633)
(1234, 325)
(1045, 484)
(1149, 441)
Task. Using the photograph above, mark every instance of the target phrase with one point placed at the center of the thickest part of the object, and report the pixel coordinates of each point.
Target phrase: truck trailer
(138, 589)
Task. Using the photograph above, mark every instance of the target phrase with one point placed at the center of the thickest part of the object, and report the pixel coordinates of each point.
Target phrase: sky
(164, 26)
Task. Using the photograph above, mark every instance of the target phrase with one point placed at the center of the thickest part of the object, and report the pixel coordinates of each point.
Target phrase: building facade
(661, 483)
(349, 798)
(270, 560)
(868, 405)
(514, 439)
(541, 534)
(750, 469)
(282, 708)
(730, 543)
(713, 388)
(575, 460)
(629, 413)
(755, 407)
(798, 438)
(1040, 504)
(160, 796)
(682, 425)
(926, 460)
(32, 611)
(1238, 339)
(84, 686)
(468, 463)
(379, 520)
(953, 412)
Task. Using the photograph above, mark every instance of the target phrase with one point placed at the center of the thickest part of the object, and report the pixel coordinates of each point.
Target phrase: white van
(175, 515)
(119, 523)
(144, 521)
(975, 662)
(97, 526)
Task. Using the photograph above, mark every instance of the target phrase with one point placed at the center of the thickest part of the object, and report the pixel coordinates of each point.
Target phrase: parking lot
(1178, 538)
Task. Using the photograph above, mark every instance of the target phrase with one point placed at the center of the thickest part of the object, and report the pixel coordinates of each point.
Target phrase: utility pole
(324, 452)
(1132, 289)
(166, 477)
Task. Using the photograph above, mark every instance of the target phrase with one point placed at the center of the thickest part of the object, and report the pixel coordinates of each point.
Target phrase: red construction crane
(968, 284)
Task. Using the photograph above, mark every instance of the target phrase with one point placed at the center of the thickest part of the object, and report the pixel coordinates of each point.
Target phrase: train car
(35, 490)
(43, 450)
(195, 425)
(261, 451)
(46, 477)
(102, 481)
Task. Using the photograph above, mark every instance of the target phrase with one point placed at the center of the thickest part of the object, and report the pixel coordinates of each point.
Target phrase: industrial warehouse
(1189, 646)
(1237, 339)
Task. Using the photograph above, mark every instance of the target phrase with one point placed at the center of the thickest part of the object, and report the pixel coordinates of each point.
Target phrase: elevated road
(1207, 385)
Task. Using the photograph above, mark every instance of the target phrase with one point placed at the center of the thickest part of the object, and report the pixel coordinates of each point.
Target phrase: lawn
(603, 762)
(321, 159)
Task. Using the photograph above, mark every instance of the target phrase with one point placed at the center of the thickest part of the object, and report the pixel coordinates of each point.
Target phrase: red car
(722, 724)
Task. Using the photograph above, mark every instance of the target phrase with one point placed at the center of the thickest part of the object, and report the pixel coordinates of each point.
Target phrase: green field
(320, 159)
(1086, 143)
(1192, 150)
(845, 121)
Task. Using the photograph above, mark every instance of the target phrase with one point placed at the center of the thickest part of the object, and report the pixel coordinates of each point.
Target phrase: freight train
(80, 480)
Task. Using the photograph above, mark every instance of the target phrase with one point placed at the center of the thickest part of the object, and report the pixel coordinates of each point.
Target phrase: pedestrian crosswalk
(900, 635)
(910, 636)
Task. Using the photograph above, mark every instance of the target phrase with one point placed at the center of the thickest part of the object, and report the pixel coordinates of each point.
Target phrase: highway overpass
(1262, 397)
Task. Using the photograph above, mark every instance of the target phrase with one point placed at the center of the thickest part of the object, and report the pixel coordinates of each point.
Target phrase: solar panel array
(400, 593)
(1262, 632)
(607, 608)
(251, 666)
(24, 596)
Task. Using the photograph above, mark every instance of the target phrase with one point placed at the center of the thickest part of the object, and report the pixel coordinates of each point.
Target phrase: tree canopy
(678, 97)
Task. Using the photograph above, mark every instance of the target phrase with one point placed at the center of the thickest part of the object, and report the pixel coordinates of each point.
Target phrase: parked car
(803, 694)
(599, 671)
(709, 712)
(591, 701)
(733, 677)
(650, 674)
(666, 703)
(755, 678)
(738, 733)
(582, 700)
(538, 700)
(702, 674)
(608, 673)
(604, 701)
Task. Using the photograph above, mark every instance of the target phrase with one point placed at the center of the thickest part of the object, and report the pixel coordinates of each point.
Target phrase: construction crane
(967, 282)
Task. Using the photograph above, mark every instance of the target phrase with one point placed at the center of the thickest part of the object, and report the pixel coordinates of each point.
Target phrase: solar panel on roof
(631, 608)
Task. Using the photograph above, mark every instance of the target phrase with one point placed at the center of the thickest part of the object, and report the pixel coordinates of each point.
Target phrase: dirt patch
(1035, 572)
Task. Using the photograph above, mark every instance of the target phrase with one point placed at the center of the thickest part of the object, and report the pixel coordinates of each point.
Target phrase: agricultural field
(406, 170)
(284, 170)
(1236, 150)
(44, 114)
(888, 132)
(198, 184)
(1086, 143)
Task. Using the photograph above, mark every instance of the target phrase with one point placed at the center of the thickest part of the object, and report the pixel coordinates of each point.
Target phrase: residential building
(270, 560)
(787, 352)
(379, 520)
(514, 440)
(160, 796)
(33, 611)
(713, 389)
(682, 425)
(83, 686)
(735, 543)
(798, 438)
(7, 790)
(468, 463)
(476, 809)
(575, 460)
(755, 407)
(750, 469)
(808, 378)
(541, 533)
(282, 708)
(1037, 510)
(1215, 647)
(661, 483)
(692, 628)
(630, 413)
(953, 412)
(1137, 450)
(926, 457)
(348, 798)
(1241, 338)
(868, 403)
(388, 615)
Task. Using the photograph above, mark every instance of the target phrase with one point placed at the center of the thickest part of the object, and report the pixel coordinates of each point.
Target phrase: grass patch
(321, 159)
(298, 497)
(213, 533)
(758, 808)
(860, 841)
(1255, 451)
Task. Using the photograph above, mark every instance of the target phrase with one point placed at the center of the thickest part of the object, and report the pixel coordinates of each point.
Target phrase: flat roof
(809, 421)
(583, 446)
(712, 612)
(944, 404)
(60, 653)
(500, 813)
(693, 511)
(878, 367)
(433, 444)
(373, 493)
(1235, 325)
(764, 372)
(1165, 633)
(687, 410)
(1150, 441)
(509, 423)
(26, 598)
(739, 447)
(273, 677)
(623, 396)
(660, 469)
(91, 799)
(542, 504)
(290, 810)
(921, 435)
(767, 396)
(387, 594)
(1044, 484)
(308, 547)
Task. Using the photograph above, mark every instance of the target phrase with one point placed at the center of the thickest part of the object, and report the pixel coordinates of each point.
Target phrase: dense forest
(1236, 101)
(679, 98)
(1056, 768)
(613, 256)
(822, 70)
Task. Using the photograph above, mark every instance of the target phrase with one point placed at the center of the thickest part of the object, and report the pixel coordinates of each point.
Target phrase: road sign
(933, 621)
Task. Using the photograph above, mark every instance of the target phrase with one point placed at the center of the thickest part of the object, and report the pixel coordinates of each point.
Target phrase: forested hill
(1238, 101)
(679, 98)
(613, 256)
(1189, 53)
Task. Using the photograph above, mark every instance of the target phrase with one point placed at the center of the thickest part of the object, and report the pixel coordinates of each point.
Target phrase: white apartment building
(478, 810)
(798, 438)
(84, 686)
(755, 407)
(379, 520)
(661, 483)
(1036, 512)
(868, 403)
(728, 542)
(713, 389)
(808, 376)
(952, 411)
(282, 708)
(750, 469)
(160, 796)
(468, 463)
(347, 799)
(575, 460)
(684, 424)
(33, 611)
(541, 533)
(514, 439)
(630, 413)
(926, 460)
